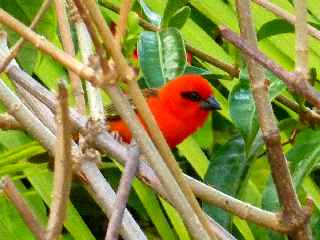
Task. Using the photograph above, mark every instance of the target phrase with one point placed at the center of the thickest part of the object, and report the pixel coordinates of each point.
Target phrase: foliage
(228, 152)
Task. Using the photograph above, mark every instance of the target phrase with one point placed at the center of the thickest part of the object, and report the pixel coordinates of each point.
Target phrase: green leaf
(227, 167)
(162, 56)
(42, 180)
(242, 106)
(180, 17)
(14, 224)
(274, 27)
(243, 228)
(22, 152)
(191, 150)
(152, 16)
(196, 70)
(304, 154)
(153, 208)
(13, 138)
(176, 220)
(172, 7)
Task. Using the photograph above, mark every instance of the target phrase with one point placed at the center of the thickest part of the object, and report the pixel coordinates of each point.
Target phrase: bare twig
(7, 122)
(286, 16)
(44, 45)
(62, 168)
(106, 197)
(306, 114)
(96, 108)
(302, 88)
(301, 27)
(15, 49)
(293, 214)
(66, 38)
(123, 19)
(22, 206)
(122, 195)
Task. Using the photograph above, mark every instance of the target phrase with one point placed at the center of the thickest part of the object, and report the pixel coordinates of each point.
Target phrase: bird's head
(189, 95)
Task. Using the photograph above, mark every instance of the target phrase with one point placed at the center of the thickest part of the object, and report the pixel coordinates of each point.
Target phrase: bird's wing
(111, 111)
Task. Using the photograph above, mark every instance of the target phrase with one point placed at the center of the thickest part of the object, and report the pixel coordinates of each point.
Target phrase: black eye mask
(192, 96)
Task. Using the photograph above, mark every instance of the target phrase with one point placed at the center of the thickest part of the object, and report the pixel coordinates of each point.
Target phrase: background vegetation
(227, 153)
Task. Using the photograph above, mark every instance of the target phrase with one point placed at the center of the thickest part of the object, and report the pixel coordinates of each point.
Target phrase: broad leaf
(180, 17)
(227, 167)
(162, 56)
(172, 7)
(304, 155)
(242, 105)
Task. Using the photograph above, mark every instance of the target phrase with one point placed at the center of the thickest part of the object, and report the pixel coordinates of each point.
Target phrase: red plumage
(177, 108)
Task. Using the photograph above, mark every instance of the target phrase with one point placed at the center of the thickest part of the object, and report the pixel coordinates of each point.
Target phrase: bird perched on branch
(180, 107)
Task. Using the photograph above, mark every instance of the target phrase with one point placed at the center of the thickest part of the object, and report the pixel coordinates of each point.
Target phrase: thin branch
(106, 197)
(124, 70)
(44, 45)
(232, 70)
(96, 108)
(286, 16)
(106, 144)
(62, 167)
(127, 177)
(7, 122)
(306, 114)
(301, 27)
(22, 206)
(42, 112)
(66, 38)
(292, 211)
(302, 88)
(123, 19)
(15, 49)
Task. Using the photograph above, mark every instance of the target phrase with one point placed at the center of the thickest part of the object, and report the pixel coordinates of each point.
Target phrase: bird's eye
(191, 95)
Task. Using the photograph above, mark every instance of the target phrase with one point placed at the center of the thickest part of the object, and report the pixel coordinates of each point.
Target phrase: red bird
(180, 107)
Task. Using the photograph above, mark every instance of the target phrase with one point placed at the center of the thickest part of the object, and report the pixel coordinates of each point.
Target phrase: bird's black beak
(210, 104)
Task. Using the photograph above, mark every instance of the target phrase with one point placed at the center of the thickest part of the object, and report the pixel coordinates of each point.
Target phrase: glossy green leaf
(180, 17)
(153, 208)
(196, 70)
(172, 7)
(153, 17)
(242, 106)
(162, 56)
(42, 180)
(226, 170)
(304, 154)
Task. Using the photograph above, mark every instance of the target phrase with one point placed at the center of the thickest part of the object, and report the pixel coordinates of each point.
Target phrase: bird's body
(180, 107)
